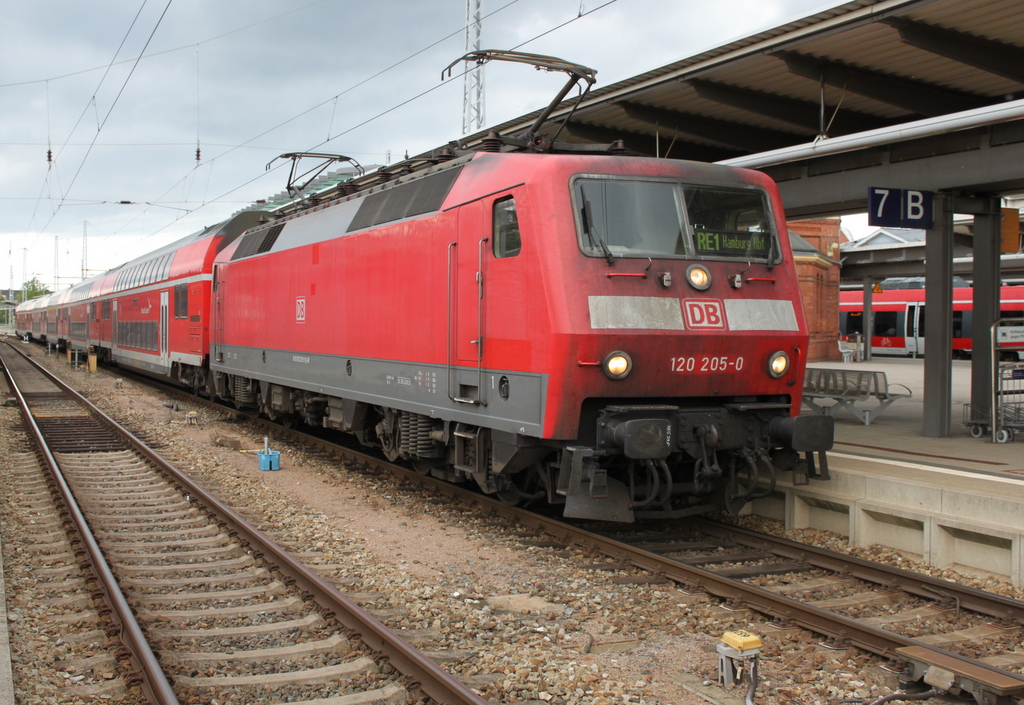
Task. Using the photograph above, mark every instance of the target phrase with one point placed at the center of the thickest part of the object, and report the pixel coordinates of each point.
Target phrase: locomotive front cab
(691, 346)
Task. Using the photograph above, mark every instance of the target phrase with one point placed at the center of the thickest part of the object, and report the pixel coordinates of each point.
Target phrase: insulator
(491, 143)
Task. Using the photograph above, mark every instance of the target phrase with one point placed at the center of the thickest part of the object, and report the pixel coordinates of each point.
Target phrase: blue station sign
(899, 208)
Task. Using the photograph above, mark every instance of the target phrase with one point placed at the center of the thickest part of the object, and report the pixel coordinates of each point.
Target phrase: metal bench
(850, 351)
(847, 388)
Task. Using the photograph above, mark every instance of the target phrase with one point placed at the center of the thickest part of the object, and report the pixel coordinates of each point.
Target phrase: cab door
(467, 255)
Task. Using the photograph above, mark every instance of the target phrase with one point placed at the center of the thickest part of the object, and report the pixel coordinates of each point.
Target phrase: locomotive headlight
(617, 365)
(778, 364)
(698, 276)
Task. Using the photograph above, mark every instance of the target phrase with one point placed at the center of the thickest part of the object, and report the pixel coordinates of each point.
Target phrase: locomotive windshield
(632, 218)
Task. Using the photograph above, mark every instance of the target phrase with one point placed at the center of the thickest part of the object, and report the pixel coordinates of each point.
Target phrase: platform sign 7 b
(900, 208)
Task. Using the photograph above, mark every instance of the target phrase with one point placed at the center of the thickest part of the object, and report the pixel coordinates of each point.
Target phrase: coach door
(217, 324)
(114, 330)
(915, 330)
(164, 352)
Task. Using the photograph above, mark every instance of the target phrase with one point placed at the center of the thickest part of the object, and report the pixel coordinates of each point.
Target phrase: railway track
(915, 621)
(964, 640)
(206, 607)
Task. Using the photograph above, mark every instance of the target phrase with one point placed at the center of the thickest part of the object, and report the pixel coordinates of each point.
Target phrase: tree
(33, 288)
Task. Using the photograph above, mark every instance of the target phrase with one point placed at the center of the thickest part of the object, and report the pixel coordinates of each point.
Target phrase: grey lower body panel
(411, 386)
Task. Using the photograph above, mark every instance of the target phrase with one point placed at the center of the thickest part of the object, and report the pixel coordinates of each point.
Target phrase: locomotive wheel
(524, 486)
(421, 467)
(742, 482)
(199, 383)
(732, 500)
(510, 496)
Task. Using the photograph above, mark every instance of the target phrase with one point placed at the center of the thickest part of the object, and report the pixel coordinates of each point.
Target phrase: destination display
(730, 243)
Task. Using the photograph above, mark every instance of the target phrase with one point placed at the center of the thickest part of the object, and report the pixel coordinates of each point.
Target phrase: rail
(432, 679)
(154, 682)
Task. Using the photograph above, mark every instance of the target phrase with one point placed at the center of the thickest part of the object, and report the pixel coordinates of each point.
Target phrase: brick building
(816, 252)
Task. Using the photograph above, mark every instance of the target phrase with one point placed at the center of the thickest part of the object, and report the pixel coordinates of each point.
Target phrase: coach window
(854, 323)
(885, 323)
(506, 228)
(181, 301)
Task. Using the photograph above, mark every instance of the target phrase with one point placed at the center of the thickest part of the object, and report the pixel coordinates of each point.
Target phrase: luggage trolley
(1006, 415)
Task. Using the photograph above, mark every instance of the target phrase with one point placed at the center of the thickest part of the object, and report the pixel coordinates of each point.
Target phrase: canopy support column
(938, 337)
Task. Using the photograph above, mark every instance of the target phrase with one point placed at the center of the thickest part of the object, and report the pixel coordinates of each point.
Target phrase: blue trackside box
(270, 460)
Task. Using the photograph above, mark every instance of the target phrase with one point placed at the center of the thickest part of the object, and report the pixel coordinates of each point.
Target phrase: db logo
(300, 309)
(704, 313)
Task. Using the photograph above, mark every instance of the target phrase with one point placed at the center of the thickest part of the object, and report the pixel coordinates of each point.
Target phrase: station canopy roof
(858, 66)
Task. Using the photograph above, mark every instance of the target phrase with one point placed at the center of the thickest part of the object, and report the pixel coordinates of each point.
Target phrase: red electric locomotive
(621, 335)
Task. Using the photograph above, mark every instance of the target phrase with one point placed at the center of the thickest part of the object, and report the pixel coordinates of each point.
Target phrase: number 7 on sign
(884, 193)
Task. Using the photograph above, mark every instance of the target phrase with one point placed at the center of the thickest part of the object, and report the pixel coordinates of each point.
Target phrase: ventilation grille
(416, 198)
(258, 242)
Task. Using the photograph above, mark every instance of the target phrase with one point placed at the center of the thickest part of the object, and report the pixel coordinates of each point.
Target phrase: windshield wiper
(588, 228)
(771, 251)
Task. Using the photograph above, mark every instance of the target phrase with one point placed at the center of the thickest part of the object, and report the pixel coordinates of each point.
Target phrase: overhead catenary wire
(166, 51)
(85, 110)
(309, 110)
(297, 116)
(110, 110)
(223, 196)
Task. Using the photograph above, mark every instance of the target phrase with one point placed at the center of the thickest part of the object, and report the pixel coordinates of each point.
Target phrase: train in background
(899, 319)
(621, 336)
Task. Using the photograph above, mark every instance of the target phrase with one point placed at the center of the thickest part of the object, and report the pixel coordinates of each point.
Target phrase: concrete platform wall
(945, 518)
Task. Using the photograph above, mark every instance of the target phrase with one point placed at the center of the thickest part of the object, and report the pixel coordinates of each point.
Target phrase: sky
(103, 104)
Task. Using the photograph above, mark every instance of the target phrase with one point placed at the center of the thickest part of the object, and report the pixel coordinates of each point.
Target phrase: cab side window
(506, 228)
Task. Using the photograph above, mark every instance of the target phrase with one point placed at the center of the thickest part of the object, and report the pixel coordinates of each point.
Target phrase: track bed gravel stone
(520, 623)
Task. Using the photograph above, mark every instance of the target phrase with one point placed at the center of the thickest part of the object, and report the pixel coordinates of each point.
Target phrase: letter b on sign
(704, 313)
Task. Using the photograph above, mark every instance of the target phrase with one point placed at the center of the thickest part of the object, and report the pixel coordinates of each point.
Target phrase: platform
(951, 502)
(898, 432)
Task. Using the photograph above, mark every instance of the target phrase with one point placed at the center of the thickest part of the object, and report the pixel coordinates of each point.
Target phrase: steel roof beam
(1004, 60)
(739, 136)
(801, 113)
(917, 97)
(647, 145)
